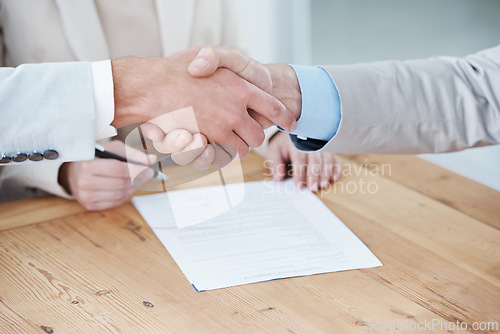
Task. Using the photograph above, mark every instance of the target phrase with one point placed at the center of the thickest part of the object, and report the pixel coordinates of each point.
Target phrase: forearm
(434, 105)
(47, 107)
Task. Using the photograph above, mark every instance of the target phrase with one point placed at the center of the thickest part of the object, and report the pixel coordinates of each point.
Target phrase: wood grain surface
(65, 270)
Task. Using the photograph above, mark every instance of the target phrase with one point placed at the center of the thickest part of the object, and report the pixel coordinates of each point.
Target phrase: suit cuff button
(20, 157)
(5, 159)
(35, 156)
(51, 155)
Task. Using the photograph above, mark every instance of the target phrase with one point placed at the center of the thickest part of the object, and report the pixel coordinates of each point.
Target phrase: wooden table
(64, 270)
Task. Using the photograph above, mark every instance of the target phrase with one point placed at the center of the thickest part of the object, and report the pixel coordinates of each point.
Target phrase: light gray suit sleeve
(47, 107)
(421, 106)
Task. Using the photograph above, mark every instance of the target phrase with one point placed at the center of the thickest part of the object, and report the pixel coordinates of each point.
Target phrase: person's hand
(101, 184)
(153, 88)
(187, 148)
(314, 170)
(277, 79)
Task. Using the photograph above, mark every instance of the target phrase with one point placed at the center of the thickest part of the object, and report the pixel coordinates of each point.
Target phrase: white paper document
(273, 232)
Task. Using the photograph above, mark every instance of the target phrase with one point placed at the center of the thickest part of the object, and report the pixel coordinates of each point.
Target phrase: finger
(327, 167)
(223, 155)
(183, 118)
(114, 169)
(337, 168)
(271, 108)
(210, 58)
(276, 163)
(234, 141)
(263, 122)
(205, 159)
(103, 205)
(313, 171)
(106, 167)
(299, 168)
(131, 154)
(251, 132)
(230, 150)
(174, 142)
(101, 183)
(89, 197)
(191, 151)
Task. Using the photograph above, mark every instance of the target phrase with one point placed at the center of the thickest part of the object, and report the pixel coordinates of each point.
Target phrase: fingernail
(314, 188)
(293, 126)
(199, 64)
(324, 184)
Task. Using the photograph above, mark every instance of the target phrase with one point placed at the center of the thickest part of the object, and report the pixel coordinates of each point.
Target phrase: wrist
(63, 177)
(129, 82)
(286, 87)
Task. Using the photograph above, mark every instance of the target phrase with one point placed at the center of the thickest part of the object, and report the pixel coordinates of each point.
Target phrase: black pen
(101, 152)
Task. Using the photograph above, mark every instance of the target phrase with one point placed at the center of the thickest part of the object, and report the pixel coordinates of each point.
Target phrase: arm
(421, 106)
(57, 112)
(435, 105)
(37, 116)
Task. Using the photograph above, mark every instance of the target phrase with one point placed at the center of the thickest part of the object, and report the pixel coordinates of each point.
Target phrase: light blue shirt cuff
(320, 116)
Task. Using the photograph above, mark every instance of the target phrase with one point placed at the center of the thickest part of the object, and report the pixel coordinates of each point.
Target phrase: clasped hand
(230, 100)
(220, 103)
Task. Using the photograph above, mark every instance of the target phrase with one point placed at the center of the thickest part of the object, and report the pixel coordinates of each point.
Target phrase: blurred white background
(350, 31)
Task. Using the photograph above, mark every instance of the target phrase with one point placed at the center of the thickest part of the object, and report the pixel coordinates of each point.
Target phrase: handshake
(205, 104)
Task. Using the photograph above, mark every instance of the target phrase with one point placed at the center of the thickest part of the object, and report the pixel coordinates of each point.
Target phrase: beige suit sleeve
(422, 106)
(232, 29)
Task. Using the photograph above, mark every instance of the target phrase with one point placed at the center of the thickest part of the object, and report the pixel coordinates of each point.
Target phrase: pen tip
(160, 176)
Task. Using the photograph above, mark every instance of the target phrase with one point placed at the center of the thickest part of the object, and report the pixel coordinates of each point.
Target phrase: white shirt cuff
(102, 75)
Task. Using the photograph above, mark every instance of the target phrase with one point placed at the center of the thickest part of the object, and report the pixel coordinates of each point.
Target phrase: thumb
(152, 131)
(174, 142)
(210, 58)
(205, 63)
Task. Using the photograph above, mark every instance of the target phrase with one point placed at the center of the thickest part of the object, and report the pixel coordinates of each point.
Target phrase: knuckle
(224, 137)
(120, 170)
(229, 49)
(123, 196)
(85, 166)
(85, 197)
(124, 183)
(235, 119)
(276, 107)
(240, 117)
(84, 184)
(241, 87)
